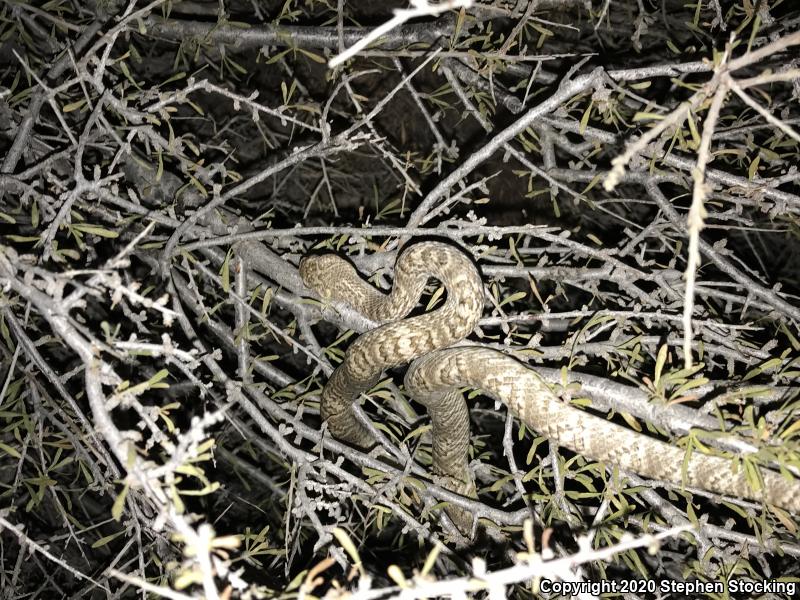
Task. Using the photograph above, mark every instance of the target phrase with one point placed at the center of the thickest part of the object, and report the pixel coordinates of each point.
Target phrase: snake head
(326, 275)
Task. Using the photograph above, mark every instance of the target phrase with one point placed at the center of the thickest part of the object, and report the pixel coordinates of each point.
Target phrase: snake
(439, 370)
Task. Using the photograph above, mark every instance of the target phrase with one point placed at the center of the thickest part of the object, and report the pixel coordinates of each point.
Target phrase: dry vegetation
(624, 172)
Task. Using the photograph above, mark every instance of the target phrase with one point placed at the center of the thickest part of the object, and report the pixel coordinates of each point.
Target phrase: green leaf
(752, 171)
(95, 230)
(119, 504)
(585, 118)
(647, 116)
(431, 560)
(74, 105)
(512, 298)
(225, 273)
(23, 238)
(661, 359)
(315, 57)
(349, 547)
(204, 491)
(9, 450)
(106, 539)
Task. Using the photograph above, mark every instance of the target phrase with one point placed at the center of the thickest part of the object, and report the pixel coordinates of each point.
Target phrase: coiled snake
(438, 372)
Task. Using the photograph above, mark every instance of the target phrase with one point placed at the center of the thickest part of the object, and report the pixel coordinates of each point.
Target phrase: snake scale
(438, 371)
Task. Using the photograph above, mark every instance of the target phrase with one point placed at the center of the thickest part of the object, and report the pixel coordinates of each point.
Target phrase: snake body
(438, 371)
(397, 342)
